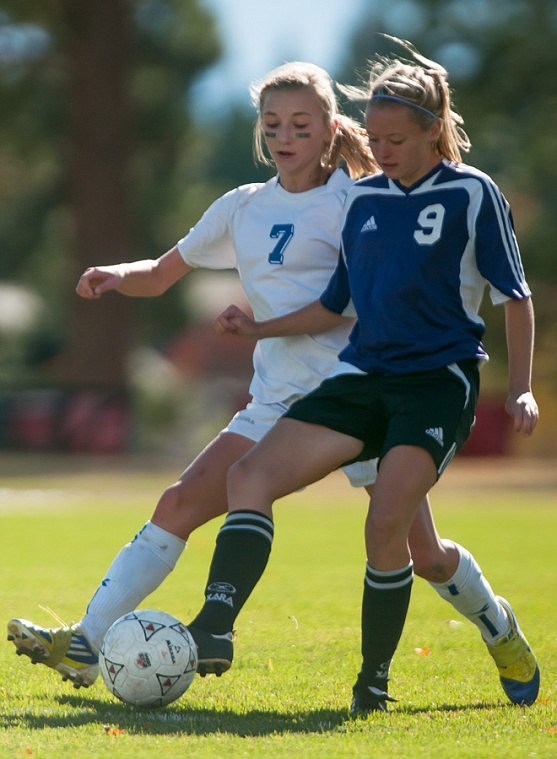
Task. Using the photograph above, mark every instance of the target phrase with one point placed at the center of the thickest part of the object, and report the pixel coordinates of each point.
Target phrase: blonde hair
(349, 141)
(423, 85)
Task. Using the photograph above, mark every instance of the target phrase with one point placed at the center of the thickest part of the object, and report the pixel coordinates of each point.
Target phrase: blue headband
(397, 99)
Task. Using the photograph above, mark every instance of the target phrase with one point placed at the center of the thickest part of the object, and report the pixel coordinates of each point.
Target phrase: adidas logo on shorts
(436, 433)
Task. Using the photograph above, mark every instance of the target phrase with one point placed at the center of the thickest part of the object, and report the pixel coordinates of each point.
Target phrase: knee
(249, 482)
(239, 475)
(384, 526)
(172, 512)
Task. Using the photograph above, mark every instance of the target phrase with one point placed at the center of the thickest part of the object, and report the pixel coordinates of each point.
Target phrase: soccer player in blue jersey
(419, 241)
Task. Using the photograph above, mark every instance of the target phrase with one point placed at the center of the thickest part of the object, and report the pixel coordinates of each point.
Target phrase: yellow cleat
(518, 669)
(64, 649)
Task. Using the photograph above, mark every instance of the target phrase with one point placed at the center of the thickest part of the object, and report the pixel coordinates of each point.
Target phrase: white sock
(137, 571)
(471, 595)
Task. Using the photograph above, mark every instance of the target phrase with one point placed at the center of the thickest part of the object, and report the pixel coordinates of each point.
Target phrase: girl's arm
(146, 278)
(310, 319)
(519, 326)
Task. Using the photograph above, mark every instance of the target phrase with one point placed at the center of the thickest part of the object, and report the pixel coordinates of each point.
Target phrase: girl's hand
(97, 280)
(234, 321)
(524, 410)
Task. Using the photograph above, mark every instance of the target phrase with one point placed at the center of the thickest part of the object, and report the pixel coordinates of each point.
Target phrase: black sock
(384, 608)
(241, 554)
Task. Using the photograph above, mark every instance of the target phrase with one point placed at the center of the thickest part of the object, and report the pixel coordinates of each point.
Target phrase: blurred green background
(115, 137)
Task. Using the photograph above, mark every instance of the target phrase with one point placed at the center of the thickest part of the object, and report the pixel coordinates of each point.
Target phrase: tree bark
(99, 147)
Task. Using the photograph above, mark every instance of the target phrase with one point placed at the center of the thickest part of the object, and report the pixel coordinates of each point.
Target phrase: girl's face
(400, 145)
(296, 136)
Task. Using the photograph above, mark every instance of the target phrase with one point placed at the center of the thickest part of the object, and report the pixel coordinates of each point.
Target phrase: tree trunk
(98, 47)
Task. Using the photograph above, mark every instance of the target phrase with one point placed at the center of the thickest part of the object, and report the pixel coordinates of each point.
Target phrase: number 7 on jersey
(284, 233)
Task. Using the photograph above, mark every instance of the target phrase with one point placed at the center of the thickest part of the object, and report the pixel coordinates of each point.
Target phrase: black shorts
(432, 410)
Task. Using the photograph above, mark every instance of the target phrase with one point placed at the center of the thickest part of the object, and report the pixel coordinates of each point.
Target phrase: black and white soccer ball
(148, 658)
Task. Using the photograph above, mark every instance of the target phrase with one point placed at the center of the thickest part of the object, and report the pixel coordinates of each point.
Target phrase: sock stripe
(249, 521)
(246, 528)
(249, 516)
(389, 579)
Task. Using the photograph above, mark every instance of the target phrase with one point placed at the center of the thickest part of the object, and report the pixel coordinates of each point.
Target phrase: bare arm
(310, 319)
(519, 326)
(146, 278)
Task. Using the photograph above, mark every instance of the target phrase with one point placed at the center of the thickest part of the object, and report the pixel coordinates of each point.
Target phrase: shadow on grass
(479, 706)
(195, 721)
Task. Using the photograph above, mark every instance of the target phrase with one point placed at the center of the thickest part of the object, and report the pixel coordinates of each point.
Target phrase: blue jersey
(415, 262)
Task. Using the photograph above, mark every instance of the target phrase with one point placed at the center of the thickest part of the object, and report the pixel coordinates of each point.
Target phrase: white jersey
(285, 247)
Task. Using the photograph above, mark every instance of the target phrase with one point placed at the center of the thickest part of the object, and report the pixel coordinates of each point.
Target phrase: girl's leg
(293, 454)
(454, 573)
(143, 564)
(457, 577)
(406, 475)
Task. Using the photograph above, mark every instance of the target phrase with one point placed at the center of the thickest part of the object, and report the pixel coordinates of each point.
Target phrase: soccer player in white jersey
(420, 239)
(283, 238)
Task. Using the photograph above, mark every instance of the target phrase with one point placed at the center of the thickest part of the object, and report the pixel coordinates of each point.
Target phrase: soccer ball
(148, 658)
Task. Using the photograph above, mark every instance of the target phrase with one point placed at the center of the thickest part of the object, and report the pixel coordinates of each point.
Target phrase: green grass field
(297, 643)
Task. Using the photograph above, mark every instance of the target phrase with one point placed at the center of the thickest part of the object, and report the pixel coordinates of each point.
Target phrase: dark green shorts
(432, 410)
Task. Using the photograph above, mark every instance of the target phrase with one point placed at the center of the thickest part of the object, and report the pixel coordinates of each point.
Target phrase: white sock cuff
(466, 563)
(167, 546)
